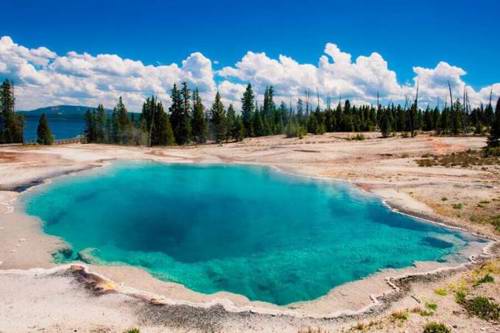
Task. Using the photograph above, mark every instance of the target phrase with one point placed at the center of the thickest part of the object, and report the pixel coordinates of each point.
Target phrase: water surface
(62, 128)
(247, 230)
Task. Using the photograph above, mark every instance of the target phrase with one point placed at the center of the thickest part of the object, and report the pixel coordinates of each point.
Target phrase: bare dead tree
(451, 96)
(308, 93)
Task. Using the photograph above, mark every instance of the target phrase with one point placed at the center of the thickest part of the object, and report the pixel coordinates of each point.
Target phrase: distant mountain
(60, 111)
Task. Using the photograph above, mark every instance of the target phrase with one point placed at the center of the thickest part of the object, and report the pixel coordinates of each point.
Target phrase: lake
(62, 128)
(243, 229)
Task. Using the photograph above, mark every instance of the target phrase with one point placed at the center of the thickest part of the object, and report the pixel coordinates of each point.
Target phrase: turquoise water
(247, 230)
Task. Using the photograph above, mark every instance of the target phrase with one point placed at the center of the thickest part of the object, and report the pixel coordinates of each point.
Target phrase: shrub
(434, 327)
(483, 308)
(399, 316)
(422, 312)
(358, 137)
(485, 279)
(495, 221)
(460, 297)
(488, 152)
(441, 292)
(132, 330)
(294, 130)
(431, 306)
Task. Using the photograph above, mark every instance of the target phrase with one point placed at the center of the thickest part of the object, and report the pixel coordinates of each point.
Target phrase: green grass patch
(460, 297)
(441, 292)
(434, 327)
(463, 159)
(485, 279)
(399, 316)
(431, 306)
(483, 308)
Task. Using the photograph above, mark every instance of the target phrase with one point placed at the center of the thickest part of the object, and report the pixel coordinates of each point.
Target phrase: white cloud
(44, 78)
(335, 75)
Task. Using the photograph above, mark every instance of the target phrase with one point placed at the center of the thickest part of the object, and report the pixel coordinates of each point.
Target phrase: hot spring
(242, 229)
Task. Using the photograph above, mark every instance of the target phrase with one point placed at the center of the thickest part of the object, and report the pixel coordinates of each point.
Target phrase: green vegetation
(485, 279)
(431, 306)
(441, 291)
(495, 221)
(218, 120)
(295, 130)
(423, 312)
(44, 135)
(494, 137)
(399, 316)
(133, 330)
(434, 327)
(357, 137)
(463, 159)
(188, 122)
(460, 296)
(483, 308)
(192, 123)
(11, 124)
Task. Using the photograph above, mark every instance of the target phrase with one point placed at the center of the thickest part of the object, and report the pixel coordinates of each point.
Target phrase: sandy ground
(51, 299)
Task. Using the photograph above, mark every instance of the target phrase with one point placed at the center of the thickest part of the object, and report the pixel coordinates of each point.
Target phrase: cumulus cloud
(43, 78)
(335, 75)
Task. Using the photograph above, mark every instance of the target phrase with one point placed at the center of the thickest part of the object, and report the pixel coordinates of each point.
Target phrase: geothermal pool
(242, 229)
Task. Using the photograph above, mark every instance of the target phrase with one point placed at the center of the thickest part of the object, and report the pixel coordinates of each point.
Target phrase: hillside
(60, 111)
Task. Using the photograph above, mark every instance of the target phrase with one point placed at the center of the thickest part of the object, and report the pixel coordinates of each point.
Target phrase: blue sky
(405, 33)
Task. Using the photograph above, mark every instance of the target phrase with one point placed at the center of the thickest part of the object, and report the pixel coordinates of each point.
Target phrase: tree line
(188, 121)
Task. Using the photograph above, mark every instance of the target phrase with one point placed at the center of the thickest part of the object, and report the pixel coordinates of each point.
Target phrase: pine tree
(494, 137)
(100, 124)
(385, 124)
(218, 120)
(164, 132)
(90, 126)
(238, 130)
(44, 135)
(489, 114)
(412, 120)
(268, 110)
(147, 119)
(247, 110)
(456, 118)
(11, 124)
(230, 122)
(186, 112)
(258, 124)
(121, 124)
(155, 123)
(179, 114)
(199, 124)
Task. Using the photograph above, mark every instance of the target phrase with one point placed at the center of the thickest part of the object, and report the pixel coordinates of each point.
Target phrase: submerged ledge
(398, 283)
